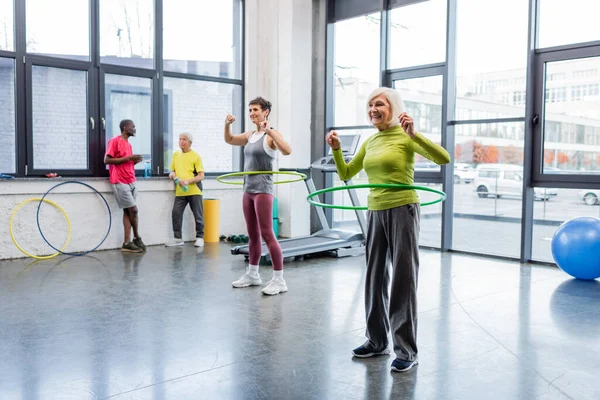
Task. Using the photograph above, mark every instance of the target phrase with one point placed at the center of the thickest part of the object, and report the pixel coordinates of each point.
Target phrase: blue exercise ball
(576, 247)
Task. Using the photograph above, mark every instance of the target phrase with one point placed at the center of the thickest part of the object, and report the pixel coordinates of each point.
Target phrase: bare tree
(128, 29)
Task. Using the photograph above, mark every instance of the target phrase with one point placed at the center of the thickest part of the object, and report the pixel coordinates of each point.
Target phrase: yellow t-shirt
(184, 165)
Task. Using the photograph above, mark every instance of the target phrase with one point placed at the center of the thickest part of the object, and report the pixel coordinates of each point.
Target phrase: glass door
(128, 98)
(423, 102)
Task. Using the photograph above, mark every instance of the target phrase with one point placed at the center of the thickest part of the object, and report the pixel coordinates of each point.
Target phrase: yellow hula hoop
(12, 236)
(300, 176)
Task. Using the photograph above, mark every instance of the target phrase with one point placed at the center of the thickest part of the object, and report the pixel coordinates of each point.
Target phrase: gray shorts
(125, 194)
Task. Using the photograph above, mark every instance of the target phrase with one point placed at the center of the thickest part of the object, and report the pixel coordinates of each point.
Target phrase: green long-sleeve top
(389, 157)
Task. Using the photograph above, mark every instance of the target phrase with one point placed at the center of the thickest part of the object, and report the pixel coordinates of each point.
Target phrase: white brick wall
(89, 218)
(200, 108)
(7, 119)
(59, 118)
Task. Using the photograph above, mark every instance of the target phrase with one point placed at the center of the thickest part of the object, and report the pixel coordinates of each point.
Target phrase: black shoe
(138, 242)
(399, 365)
(131, 248)
(365, 351)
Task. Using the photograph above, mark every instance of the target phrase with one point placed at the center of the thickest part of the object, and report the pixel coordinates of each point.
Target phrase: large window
(491, 59)
(488, 200)
(346, 219)
(88, 64)
(520, 118)
(127, 32)
(356, 73)
(129, 97)
(219, 55)
(59, 28)
(418, 34)
(59, 107)
(7, 116)
(423, 101)
(6, 25)
(562, 24)
(572, 116)
(199, 108)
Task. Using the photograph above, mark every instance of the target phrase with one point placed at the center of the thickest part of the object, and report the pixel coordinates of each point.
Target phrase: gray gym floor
(168, 325)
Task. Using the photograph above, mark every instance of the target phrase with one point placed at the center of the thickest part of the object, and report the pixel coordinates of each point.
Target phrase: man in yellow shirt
(187, 172)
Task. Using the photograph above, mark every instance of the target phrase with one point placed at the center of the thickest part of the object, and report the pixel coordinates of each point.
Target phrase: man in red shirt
(121, 168)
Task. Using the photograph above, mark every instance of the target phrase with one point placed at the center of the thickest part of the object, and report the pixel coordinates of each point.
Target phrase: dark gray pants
(393, 235)
(181, 202)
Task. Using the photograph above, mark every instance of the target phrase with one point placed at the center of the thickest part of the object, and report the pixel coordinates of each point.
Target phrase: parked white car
(590, 196)
(463, 173)
(499, 180)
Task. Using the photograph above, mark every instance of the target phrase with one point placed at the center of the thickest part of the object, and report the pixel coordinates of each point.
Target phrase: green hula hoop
(370, 186)
(300, 176)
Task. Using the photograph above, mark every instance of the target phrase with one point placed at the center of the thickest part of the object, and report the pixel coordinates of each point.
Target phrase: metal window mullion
(383, 44)
(448, 131)
(417, 71)
(207, 78)
(242, 35)
(96, 149)
(569, 53)
(114, 69)
(568, 47)
(158, 166)
(530, 145)
(22, 137)
(486, 121)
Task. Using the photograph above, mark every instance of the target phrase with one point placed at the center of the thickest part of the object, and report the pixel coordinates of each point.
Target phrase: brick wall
(7, 119)
(59, 118)
(200, 108)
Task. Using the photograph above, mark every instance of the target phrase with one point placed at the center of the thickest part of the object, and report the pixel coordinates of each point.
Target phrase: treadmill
(335, 242)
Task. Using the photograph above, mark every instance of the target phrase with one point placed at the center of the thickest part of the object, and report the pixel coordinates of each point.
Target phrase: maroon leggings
(259, 222)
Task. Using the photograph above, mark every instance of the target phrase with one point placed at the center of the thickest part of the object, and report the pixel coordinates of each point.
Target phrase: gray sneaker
(130, 248)
(138, 242)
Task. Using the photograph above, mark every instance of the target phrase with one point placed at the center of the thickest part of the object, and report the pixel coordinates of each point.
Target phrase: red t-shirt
(124, 173)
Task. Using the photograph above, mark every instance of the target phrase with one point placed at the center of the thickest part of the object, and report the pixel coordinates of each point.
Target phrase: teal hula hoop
(398, 186)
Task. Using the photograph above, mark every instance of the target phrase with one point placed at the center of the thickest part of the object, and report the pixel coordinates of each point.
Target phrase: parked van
(505, 180)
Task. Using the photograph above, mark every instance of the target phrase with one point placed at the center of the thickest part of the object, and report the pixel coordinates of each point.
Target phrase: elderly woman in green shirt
(393, 225)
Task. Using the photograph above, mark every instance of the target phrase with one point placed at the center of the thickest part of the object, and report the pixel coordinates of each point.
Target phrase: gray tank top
(257, 159)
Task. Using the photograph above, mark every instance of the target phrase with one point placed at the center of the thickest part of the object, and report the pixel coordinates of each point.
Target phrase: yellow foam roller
(212, 220)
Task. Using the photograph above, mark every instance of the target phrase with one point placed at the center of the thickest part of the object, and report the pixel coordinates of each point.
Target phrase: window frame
(95, 91)
(91, 96)
(541, 57)
(531, 97)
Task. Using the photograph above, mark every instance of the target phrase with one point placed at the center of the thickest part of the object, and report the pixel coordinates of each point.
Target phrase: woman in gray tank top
(260, 150)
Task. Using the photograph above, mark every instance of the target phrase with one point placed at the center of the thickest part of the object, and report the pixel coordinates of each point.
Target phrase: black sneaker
(399, 365)
(138, 242)
(131, 248)
(365, 351)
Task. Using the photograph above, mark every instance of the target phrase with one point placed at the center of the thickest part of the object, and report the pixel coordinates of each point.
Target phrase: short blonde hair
(188, 136)
(395, 100)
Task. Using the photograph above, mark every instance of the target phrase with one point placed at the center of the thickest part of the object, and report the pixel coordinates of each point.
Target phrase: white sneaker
(199, 242)
(275, 286)
(248, 279)
(175, 242)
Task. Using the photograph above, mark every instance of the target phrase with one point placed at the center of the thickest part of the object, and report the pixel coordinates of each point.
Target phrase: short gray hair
(395, 100)
(188, 136)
